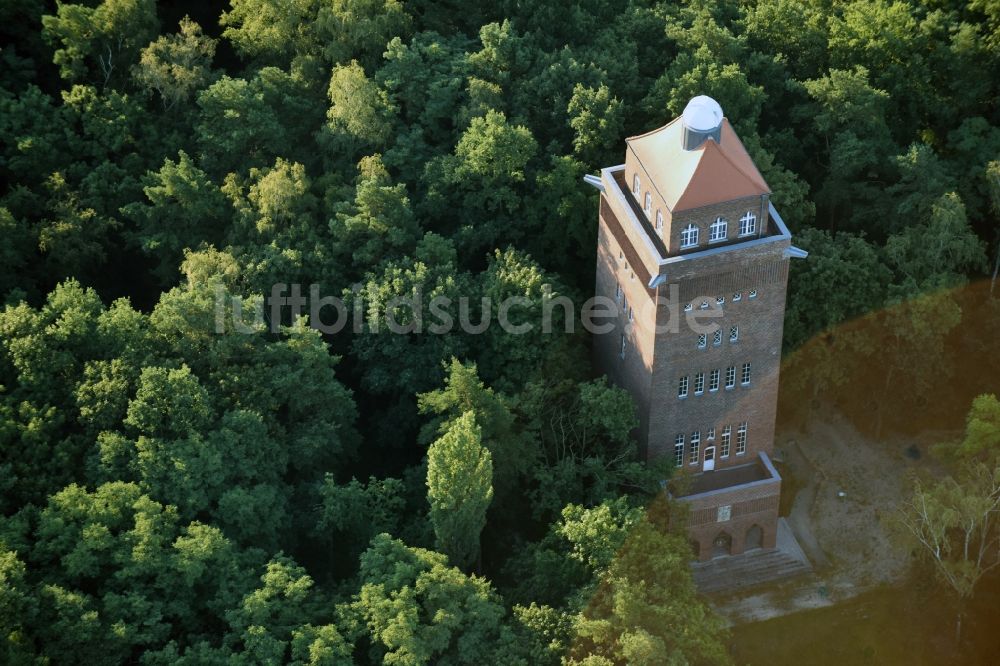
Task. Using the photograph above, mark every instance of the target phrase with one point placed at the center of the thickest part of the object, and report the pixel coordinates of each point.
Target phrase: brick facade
(742, 281)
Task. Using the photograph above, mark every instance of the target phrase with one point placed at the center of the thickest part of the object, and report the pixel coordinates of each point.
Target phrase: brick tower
(696, 257)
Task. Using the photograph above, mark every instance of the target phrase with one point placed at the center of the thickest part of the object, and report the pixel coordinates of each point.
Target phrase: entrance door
(709, 459)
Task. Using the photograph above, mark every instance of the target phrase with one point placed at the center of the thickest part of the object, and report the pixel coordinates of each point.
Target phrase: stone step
(753, 568)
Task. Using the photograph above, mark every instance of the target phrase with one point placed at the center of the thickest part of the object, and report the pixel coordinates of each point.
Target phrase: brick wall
(760, 321)
(749, 506)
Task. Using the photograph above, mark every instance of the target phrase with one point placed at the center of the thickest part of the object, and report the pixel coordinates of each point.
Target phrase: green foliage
(416, 609)
(177, 66)
(99, 43)
(459, 489)
(180, 489)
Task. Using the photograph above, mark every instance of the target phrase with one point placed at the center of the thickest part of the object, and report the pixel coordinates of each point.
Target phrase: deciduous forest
(170, 494)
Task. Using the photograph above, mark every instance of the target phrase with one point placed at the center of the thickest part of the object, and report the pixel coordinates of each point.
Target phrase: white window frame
(689, 236)
(702, 340)
(734, 333)
(622, 352)
(659, 220)
(618, 292)
(682, 387)
(717, 337)
(720, 300)
(699, 383)
(695, 447)
(688, 307)
(704, 305)
(679, 450)
(636, 184)
(738, 296)
(718, 230)
(745, 374)
(631, 314)
(748, 224)
(648, 204)
(624, 302)
(713, 381)
(730, 377)
(711, 435)
(727, 439)
(752, 294)
(741, 439)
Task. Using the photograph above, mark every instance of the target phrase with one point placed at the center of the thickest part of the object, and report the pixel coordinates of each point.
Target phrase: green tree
(415, 609)
(183, 208)
(177, 66)
(459, 489)
(99, 43)
(645, 608)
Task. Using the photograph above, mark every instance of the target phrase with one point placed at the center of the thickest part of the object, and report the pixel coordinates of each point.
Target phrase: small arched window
(648, 207)
(748, 224)
(689, 236)
(659, 220)
(718, 231)
(635, 184)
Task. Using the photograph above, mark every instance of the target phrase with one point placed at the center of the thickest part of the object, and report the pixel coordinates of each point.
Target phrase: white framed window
(702, 340)
(730, 376)
(745, 378)
(689, 236)
(727, 438)
(741, 439)
(699, 383)
(622, 353)
(624, 302)
(635, 184)
(704, 305)
(679, 450)
(618, 292)
(682, 387)
(718, 230)
(631, 314)
(659, 220)
(648, 204)
(717, 337)
(753, 293)
(734, 333)
(748, 224)
(711, 435)
(720, 300)
(713, 380)
(695, 447)
(738, 296)
(688, 307)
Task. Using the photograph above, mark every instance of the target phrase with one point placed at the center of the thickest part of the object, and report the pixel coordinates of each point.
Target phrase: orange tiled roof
(710, 173)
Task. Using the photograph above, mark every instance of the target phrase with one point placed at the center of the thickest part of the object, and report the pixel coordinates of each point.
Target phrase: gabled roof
(711, 173)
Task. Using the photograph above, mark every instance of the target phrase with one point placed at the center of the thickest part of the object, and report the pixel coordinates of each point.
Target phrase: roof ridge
(652, 131)
(759, 177)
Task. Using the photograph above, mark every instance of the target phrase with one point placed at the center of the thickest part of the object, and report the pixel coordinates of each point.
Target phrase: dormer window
(689, 236)
(635, 185)
(659, 220)
(648, 207)
(748, 224)
(718, 231)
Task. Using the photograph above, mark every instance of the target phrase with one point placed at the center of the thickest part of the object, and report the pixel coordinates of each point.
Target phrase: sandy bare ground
(849, 538)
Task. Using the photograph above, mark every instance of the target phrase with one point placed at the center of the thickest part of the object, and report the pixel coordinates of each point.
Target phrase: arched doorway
(722, 545)
(755, 538)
